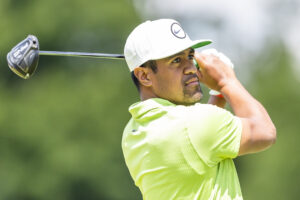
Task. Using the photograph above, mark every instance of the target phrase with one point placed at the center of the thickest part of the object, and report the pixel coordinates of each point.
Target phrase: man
(174, 146)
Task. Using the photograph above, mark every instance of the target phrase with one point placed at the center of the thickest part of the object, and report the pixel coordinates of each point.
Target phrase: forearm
(246, 106)
(242, 103)
(216, 100)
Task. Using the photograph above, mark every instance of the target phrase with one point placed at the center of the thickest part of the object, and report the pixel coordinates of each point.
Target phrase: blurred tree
(60, 132)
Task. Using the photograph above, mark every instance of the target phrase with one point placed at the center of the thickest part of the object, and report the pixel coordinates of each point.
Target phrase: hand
(224, 58)
(215, 69)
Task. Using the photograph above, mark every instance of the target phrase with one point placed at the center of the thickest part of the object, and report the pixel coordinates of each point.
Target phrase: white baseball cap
(157, 39)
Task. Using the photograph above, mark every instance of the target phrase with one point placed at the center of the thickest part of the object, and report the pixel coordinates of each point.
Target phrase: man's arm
(258, 131)
(216, 100)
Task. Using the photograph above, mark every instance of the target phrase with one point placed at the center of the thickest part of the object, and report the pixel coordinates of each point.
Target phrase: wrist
(215, 93)
(220, 96)
(230, 86)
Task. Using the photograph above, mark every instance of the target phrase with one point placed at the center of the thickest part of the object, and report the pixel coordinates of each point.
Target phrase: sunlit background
(60, 131)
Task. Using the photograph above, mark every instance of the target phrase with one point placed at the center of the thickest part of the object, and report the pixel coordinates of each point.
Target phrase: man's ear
(143, 75)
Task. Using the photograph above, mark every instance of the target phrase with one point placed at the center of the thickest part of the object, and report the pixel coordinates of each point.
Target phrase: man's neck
(147, 94)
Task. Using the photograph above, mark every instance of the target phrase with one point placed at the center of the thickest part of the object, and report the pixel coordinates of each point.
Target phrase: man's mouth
(192, 81)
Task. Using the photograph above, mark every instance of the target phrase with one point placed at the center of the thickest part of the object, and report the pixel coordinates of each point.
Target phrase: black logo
(177, 31)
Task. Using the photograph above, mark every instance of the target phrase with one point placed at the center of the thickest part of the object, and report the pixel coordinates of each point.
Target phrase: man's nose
(190, 68)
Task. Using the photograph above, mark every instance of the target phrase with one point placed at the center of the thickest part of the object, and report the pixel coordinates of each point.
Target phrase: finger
(199, 74)
(200, 59)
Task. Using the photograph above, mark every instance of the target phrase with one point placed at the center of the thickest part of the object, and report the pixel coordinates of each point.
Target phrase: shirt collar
(149, 108)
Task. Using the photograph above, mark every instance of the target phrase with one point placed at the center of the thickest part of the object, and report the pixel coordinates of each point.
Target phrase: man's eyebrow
(180, 53)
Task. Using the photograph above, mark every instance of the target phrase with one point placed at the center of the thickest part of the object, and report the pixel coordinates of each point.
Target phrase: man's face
(176, 79)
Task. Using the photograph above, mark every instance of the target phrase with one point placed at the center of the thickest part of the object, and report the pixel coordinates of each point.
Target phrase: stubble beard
(192, 95)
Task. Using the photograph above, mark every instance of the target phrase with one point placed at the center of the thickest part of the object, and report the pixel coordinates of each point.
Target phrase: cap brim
(201, 43)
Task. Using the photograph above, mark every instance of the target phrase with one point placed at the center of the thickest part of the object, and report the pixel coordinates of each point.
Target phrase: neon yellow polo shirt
(182, 152)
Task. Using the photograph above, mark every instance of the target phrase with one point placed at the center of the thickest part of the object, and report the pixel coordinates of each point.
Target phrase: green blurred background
(60, 131)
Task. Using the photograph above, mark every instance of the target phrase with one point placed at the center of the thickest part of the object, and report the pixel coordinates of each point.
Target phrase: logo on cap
(177, 31)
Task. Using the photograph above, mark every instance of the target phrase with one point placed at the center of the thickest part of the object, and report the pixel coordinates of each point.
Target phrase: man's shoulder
(199, 109)
(165, 107)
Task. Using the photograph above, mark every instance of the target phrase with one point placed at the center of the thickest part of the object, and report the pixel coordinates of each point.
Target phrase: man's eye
(176, 60)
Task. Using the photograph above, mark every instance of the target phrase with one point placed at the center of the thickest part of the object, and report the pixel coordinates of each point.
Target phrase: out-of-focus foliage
(60, 131)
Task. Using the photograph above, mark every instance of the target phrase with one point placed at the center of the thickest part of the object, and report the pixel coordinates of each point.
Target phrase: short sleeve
(214, 132)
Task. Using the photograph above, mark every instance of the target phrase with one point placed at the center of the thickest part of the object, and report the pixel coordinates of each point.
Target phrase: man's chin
(195, 98)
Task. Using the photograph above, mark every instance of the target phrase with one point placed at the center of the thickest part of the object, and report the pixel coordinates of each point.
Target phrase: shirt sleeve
(214, 133)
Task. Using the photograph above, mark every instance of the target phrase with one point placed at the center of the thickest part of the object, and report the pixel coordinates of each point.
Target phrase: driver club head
(23, 58)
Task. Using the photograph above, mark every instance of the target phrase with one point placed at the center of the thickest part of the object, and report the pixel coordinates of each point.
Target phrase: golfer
(174, 146)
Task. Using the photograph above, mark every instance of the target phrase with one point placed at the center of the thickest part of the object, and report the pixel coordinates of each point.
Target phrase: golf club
(23, 58)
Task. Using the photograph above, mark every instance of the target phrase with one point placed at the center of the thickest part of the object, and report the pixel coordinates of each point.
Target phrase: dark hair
(151, 64)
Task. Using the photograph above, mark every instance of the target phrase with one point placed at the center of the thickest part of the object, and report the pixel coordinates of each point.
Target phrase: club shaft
(82, 54)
